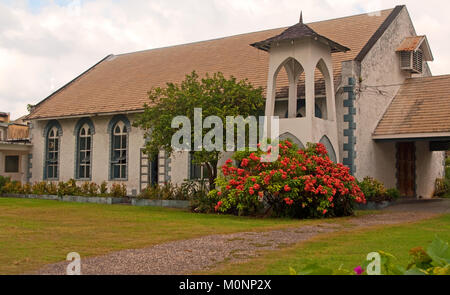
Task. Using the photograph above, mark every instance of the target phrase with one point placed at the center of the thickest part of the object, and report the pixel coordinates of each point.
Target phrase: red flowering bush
(300, 184)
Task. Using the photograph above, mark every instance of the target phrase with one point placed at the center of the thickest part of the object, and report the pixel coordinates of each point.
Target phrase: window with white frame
(84, 152)
(52, 154)
(119, 151)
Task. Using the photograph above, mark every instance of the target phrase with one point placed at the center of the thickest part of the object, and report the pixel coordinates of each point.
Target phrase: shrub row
(375, 191)
(69, 188)
(190, 190)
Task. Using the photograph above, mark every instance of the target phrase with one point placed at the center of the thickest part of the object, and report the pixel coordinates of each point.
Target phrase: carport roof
(421, 109)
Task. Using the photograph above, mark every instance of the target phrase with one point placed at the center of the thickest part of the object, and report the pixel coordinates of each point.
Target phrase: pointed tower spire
(301, 17)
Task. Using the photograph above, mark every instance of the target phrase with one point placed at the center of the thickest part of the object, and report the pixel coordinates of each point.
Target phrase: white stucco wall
(178, 164)
(429, 166)
(179, 167)
(100, 151)
(381, 68)
(23, 165)
(309, 54)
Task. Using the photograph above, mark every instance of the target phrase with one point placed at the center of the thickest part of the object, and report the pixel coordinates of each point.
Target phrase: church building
(361, 85)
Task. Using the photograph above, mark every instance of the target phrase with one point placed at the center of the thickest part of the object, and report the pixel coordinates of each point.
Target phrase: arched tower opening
(287, 88)
(300, 87)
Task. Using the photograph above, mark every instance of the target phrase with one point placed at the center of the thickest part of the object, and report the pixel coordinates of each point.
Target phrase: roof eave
(410, 136)
(335, 47)
(76, 116)
(427, 54)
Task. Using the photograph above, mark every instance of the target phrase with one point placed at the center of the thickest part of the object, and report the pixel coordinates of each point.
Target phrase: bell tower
(306, 57)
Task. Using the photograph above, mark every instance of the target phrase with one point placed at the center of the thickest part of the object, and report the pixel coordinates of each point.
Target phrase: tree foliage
(214, 94)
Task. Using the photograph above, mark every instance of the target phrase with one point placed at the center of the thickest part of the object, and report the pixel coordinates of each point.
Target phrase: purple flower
(359, 270)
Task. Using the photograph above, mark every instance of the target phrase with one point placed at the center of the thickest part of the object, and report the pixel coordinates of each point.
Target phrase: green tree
(214, 94)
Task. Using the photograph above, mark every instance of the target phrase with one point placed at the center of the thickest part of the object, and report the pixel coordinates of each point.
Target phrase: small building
(15, 148)
(359, 84)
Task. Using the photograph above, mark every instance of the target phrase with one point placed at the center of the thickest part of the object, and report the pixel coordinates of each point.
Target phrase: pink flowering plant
(301, 183)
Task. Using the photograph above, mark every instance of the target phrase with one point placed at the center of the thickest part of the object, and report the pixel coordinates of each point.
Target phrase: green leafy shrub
(435, 260)
(12, 187)
(118, 190)
(159, 192)
(26, 189)
(189, 190)
(198, 195)
(68, 188)
(300, 184)
(393, 194)
(373, 189)
(442, 188)
(89, 189)
(103, 188)
(3, 182)
(39, 188)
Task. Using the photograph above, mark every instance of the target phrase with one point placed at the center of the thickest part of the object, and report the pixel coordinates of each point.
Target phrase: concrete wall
(380, 67)
(100, 151)
(23, 165)
(429, 166)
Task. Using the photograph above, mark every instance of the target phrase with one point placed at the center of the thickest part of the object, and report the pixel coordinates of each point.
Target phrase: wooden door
(406, 169)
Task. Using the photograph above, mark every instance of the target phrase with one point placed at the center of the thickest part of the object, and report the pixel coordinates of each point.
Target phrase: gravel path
(200, 254)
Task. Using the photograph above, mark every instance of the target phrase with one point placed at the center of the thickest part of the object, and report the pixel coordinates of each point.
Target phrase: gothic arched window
(52, 134)
(119, 151)
(84, 152)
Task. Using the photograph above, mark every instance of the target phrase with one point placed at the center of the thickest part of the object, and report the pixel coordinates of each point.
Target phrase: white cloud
(44, 48)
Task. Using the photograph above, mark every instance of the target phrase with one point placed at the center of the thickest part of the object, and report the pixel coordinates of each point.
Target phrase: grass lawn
(35, 232)
(345, 248)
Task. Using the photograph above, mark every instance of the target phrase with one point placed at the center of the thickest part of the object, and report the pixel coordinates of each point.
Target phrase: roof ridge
(65, 86)
(247, 33)
(378, 33)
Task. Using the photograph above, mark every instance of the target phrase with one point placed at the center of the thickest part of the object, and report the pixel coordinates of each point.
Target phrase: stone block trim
(349, 118)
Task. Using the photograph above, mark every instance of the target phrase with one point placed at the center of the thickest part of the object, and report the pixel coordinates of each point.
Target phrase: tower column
(309, 92)
(292, 76)
(270, 95)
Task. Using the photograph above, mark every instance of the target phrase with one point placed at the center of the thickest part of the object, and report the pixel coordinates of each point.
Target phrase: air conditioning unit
(412, 61)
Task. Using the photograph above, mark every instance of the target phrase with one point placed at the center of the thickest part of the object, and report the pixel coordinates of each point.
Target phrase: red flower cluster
(307, 177)
(219, 204)
(289, 201)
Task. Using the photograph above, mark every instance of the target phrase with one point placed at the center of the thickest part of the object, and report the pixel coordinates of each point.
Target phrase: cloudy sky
(44, 44)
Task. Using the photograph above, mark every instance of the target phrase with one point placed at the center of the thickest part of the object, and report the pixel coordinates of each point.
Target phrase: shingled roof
(297, 32)
(119, 83)
(421, 108)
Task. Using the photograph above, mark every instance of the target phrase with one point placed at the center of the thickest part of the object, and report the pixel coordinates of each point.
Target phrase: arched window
(84, 152)
(294, 139)
(327, 143)
(119, 151)
(52, 154)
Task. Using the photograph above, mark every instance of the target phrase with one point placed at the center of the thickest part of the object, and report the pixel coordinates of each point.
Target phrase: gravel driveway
(200, 254)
